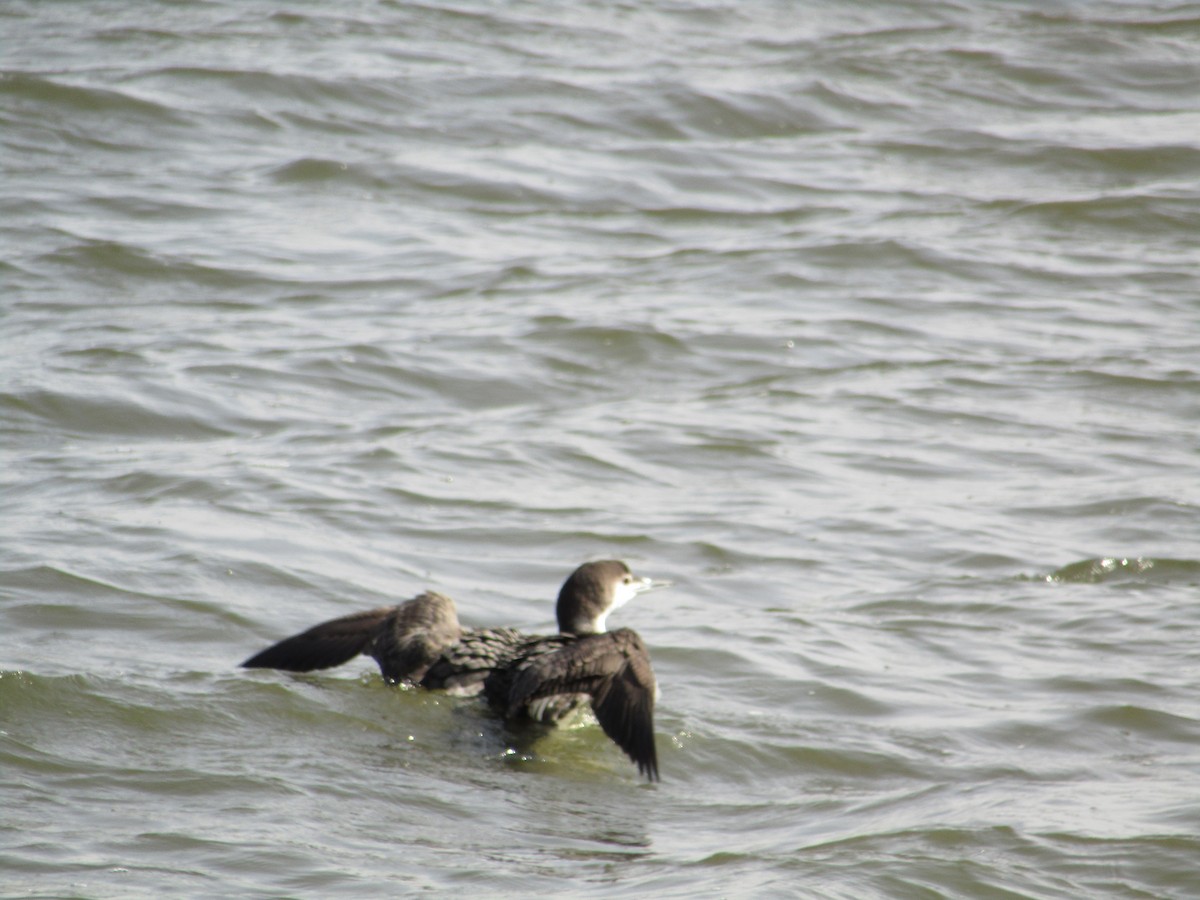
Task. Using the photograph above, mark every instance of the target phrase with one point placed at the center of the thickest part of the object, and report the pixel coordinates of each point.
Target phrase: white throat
(599, 625)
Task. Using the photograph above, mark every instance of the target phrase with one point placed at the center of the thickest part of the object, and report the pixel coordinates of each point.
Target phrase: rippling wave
(1092, 571)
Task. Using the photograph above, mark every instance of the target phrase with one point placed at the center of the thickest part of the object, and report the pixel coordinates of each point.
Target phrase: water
(874, 327)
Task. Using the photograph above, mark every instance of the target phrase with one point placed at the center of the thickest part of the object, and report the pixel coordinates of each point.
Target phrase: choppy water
(875, 327)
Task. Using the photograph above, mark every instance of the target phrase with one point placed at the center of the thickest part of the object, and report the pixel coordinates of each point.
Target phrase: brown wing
(324, 646)
(614, 668)
(415, 637)
(405, 640)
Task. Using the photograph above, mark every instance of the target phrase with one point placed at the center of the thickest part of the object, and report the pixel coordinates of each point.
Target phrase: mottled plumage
(539, 677)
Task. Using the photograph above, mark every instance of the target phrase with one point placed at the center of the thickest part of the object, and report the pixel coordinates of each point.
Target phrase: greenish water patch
(1124, 569)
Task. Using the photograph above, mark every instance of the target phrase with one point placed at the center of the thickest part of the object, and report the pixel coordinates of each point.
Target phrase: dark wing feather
(323, 646)
(405, 640)
(614, 668)
(624, 707)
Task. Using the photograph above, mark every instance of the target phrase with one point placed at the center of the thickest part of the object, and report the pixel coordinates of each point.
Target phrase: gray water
(875, 327)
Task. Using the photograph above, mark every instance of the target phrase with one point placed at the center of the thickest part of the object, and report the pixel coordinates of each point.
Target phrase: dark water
(874, 327)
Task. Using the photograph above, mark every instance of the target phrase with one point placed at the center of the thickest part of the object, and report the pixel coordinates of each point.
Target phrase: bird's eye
(629, 579)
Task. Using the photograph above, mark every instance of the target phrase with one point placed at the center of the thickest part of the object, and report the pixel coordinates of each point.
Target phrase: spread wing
(412, 639)
(323, 646)
(403, 639)
(614, 668)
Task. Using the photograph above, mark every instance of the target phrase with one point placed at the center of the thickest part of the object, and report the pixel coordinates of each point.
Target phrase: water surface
(875, 328)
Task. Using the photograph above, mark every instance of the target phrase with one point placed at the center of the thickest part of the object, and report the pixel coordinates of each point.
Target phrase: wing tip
(649, 768)
(271, 658)
(300, 653)
(323, 646)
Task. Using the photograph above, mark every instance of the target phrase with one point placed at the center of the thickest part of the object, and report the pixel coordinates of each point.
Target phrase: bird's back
(463, 667)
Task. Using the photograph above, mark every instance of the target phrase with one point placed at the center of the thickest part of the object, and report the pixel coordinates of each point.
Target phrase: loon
(538, 677)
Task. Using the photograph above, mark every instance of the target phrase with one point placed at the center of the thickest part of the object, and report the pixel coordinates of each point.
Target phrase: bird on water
(542, 678)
